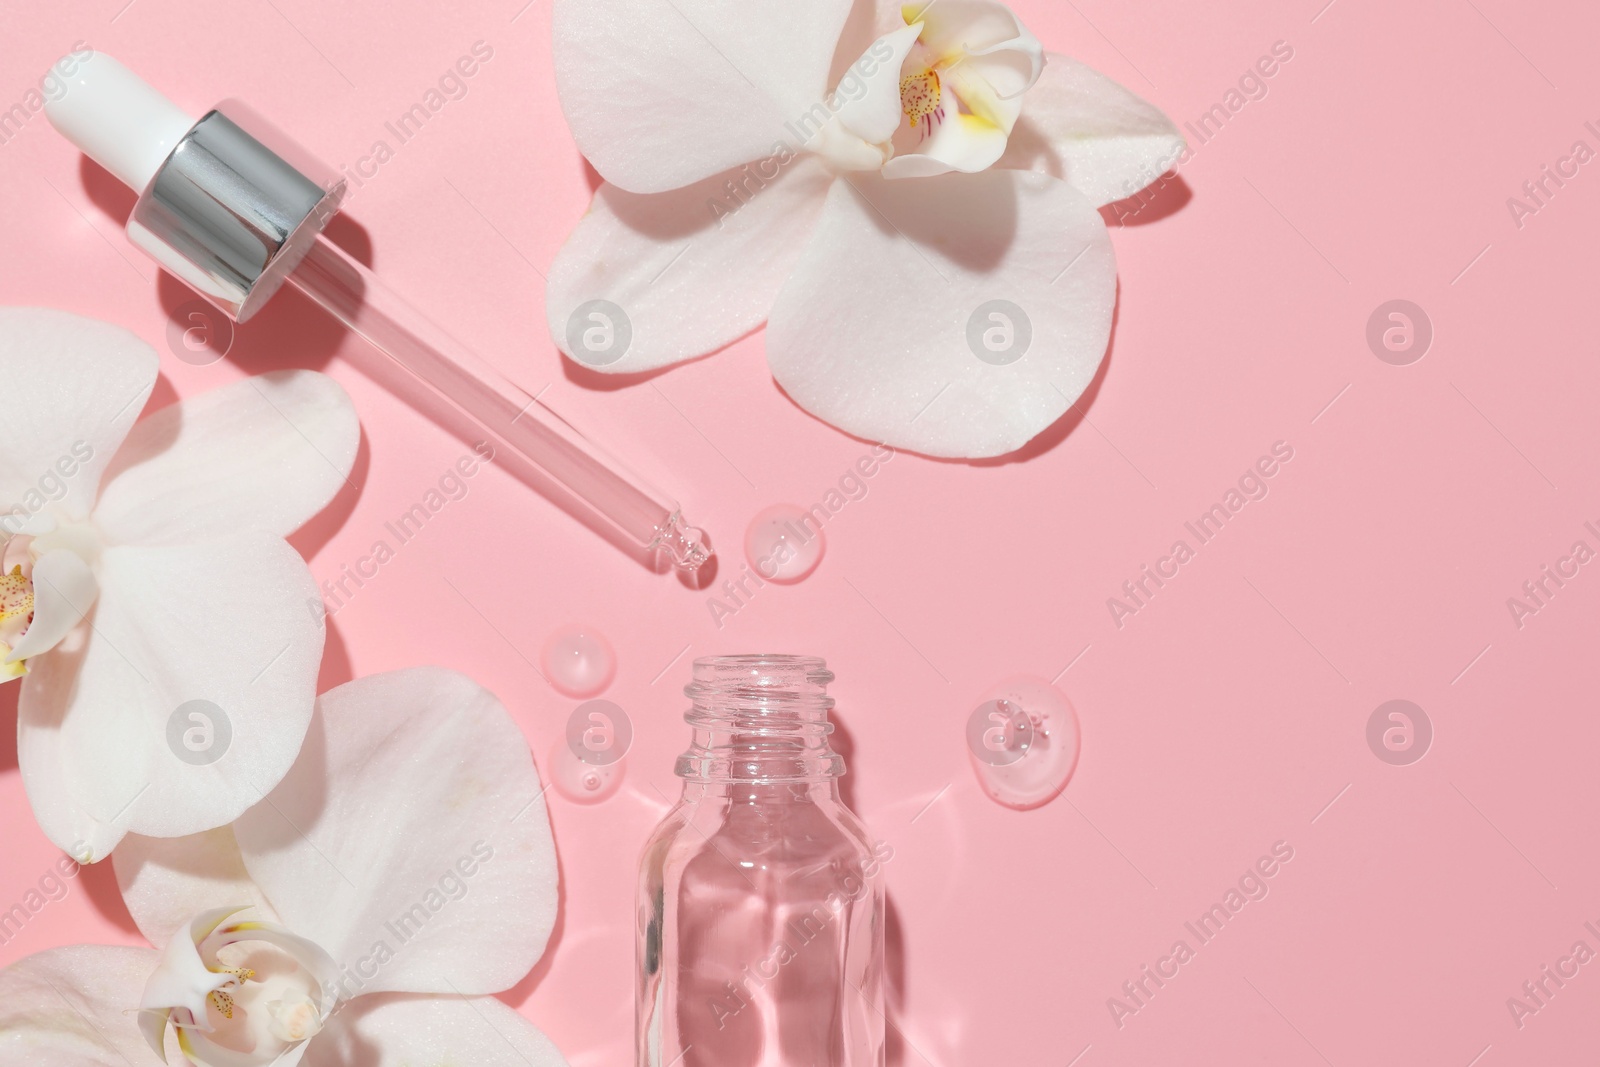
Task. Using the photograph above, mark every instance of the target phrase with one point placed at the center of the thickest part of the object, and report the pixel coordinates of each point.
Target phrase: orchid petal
(973, 85)
(71, 388)
(166, 881)
(663, 93)
(689, 278)
(1082, 127)
(875, 114)
(413, 819)
(875, 330)
(96, 722)
(70, 1007)
(268, 452)
(63, 591)
(201, 1051)
(392, 1029)
(983, 33)
(153, 1028)
(17, 521)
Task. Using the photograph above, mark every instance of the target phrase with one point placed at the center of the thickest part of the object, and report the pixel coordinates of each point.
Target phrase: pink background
(1227, 715)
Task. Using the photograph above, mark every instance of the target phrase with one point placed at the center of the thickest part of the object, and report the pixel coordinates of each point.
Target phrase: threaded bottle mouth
(760, 717)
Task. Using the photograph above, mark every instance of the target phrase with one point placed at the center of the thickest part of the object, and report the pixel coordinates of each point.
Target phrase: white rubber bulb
(117, 119)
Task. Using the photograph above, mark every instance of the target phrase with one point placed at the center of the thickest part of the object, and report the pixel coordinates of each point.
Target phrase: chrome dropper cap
(221, 204)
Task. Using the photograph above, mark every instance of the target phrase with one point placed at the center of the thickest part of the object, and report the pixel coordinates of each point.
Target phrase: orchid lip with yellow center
(16, 596)
(238, 992)
(920, 99)
(940, 93)
(16, 614)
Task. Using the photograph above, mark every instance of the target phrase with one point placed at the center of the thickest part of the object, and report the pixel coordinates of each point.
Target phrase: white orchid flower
(363, 913)
(268, 990)
(146, 572)
(919, 229)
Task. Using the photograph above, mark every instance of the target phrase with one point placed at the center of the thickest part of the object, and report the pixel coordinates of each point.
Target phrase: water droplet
(580, 782)
(578, 661)
(1023, 741)
(783, 543)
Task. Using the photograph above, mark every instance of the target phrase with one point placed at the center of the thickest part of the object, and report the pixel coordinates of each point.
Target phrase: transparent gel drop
(783, 543)
(999, 733)
(1023, 741)
(599, 732)
(578, 661)
(579, 782)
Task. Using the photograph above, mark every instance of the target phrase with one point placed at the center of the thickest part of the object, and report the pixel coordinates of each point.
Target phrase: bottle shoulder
(788, 835)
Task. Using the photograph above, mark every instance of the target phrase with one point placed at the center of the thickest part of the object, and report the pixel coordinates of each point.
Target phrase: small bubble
(598, 333)
(578, 661)
(999, 332)
(581, 782)
(783, 543)
(1399, 732)
(1399, 332)
(199, 732)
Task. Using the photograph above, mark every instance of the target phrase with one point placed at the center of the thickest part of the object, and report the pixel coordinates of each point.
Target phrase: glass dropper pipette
(234, 210)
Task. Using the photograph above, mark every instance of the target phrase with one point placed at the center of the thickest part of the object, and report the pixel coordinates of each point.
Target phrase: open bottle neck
(759, 728)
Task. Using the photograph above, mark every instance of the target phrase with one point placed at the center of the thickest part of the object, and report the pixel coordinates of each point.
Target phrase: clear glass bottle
(760, 926)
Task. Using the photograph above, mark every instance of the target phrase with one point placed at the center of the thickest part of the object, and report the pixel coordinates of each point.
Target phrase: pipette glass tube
(235, 210)
(357, 298)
